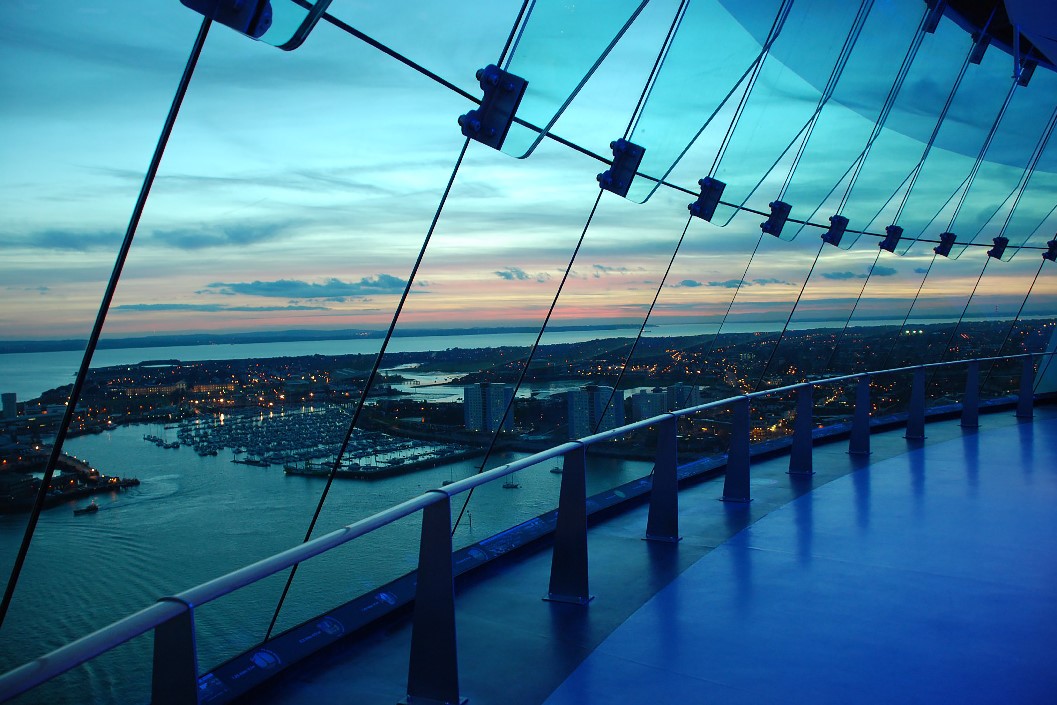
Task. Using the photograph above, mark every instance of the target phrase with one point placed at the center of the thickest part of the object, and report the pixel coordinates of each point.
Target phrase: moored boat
(91, 508)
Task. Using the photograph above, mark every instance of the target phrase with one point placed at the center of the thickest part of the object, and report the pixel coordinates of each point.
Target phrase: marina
(306, 441)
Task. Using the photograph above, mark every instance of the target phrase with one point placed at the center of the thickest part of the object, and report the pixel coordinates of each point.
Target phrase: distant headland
(275, 336)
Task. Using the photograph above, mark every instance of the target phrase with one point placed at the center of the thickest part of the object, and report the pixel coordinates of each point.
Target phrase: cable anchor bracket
(626, 159)
(779, 214)
(490, 123)
(837, 225)
(705, 205)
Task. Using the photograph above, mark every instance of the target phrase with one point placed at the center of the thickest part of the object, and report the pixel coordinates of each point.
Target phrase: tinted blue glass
(692, 83)
(933, 202)
(782, 102)
(557, 49)
(876, 195)
(1002, 175)
(846, 125)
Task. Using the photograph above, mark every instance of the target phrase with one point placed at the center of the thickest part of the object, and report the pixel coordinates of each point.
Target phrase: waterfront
(29, 374)
(193, 518)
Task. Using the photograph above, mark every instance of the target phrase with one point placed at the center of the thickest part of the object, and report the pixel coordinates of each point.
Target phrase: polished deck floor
(925, 573)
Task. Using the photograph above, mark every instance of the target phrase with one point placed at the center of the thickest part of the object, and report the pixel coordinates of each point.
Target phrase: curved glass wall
(317, 235)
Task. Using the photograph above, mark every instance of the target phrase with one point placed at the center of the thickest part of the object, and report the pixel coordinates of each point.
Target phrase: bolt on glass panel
(559, 46)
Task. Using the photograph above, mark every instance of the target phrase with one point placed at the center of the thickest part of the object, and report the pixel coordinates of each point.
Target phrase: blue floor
(928, 577)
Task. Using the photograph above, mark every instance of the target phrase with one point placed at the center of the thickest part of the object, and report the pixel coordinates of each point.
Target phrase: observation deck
(913, 563)
(921, 573)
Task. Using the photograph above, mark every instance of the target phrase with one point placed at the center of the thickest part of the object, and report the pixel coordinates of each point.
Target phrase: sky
(298, 186)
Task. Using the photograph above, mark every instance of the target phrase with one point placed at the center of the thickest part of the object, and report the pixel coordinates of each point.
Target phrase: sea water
(195, 518)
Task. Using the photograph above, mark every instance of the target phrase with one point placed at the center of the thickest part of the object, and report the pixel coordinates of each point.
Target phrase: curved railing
(433, 672)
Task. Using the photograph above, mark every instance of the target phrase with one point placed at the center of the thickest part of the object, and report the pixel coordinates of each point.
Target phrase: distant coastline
(310, 335)
(281, 336)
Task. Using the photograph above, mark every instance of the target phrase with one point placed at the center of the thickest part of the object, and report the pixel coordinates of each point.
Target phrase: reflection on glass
(945, 175)
(1031, 200)
(874, 199)
(559, 46)
(1001, 174)
(782, 102)
(847, 122)
(693, 83)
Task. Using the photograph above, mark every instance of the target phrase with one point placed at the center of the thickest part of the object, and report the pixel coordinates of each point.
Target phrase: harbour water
(194, 518)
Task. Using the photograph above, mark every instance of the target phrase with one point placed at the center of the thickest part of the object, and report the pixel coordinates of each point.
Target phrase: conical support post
(971, 401)
(860, 425)
(569, 560)
(663, 521)
(433, 671)
(800, 456)
(916, 413)
(174, 680)
(1026, 400)
(736, 481)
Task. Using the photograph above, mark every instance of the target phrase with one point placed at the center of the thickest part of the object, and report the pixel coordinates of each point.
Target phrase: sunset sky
(298, 186)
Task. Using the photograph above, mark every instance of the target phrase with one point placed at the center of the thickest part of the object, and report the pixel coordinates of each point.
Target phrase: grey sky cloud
(77, 241)
(330, 289)
(765, 282)
(601, 270)
(880, 270)
(921, 270)
(730, 283)
(213, 308)
(519, 274)
(842, 275)
(688, 283)
(219, 236)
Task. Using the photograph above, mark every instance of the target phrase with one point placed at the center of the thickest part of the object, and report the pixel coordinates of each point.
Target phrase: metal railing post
(174, 679)
(916, 412)
(569, 560)
(736, 480)
(800, 455)
(860, 425)
(433, 669)
(662, 524)
(1026, 399)
(971, 401)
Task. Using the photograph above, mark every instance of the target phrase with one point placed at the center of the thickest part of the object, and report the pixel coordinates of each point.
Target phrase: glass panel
(931, 204)
(559, 47)
(692, 84)
(931, 324)
(1035, 203)
(987, 320)
(876, 195)
(997, 182)
(847, 121)
(462, 38)
(873, 329)
(1036, 243)
(782, 101)
(817, 327)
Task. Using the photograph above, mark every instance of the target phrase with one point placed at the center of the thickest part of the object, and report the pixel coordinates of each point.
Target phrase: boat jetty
(73, 479)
